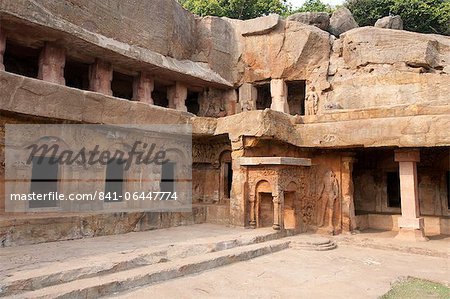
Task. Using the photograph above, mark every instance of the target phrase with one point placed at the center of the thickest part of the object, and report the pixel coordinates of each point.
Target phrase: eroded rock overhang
(86, 45)
(401, 126)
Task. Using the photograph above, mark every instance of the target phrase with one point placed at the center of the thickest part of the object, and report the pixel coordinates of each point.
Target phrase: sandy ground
(346, 272)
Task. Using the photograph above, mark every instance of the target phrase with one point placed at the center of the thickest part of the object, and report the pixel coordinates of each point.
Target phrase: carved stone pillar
(2, 47)
(247, 97)
(143, 86)
(410, 223)
(278, 91)
(252, 202)
(276, 211)
(51, 64)
(177, 95)
(238, 184)
(231, 99)
(348, 205)
(100, 77)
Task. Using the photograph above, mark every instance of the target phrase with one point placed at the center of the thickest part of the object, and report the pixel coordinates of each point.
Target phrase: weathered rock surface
(373, 67)
(370, 45)
(293, 51)
(406, 126)
(260, 25)
(319, 19)
(390, 22)
(396, 88)
(82, 43)
(217, 45)
(365, 68)
(159, 25)
(341, 21)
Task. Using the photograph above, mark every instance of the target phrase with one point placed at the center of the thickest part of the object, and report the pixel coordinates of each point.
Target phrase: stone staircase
(111, 273)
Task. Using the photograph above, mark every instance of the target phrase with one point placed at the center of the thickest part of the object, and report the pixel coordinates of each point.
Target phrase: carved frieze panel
(209, 152)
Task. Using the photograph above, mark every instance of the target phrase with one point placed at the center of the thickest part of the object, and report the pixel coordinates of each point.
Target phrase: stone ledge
(39, 98)
(434, 108)
(405, 131)
(33, 229)
(254, 161)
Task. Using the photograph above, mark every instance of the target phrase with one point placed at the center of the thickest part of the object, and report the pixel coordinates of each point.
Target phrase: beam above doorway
(254, 161)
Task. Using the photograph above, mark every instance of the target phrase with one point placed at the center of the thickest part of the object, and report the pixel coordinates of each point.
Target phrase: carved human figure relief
(311, 101)
(327, 199)
(247, 106)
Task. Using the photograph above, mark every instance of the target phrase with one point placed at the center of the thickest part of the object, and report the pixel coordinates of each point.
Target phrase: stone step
(108, 284)
(330, 246)
(67, 271)
(312, 243)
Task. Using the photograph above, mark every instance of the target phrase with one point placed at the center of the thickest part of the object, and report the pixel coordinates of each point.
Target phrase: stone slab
(260, 25)
(254, 161)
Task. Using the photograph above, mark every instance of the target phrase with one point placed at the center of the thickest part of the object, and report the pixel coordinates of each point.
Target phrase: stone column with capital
(51, 64)
(279, 93)
(177, 95)
(252, 210)
(2, 47)
(277, 199)
(348, 205)
(100, 77)
(411, 225)
(143, 86)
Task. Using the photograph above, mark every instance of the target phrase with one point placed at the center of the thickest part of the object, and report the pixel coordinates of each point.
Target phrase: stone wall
(31, 229)
(209, 156)
(205, 179)
(433, 225)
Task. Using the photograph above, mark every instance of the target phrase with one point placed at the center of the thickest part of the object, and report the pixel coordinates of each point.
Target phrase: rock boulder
(390, 22)
(341, 21)
(293, 51)
(318, 19)
(260, 25)
(369, 45)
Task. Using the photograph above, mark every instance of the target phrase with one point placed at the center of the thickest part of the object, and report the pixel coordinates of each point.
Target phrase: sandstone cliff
(364, 67)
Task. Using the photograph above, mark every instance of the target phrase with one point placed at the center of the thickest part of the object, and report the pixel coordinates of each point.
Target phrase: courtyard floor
(364, 265)
(346, 272)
